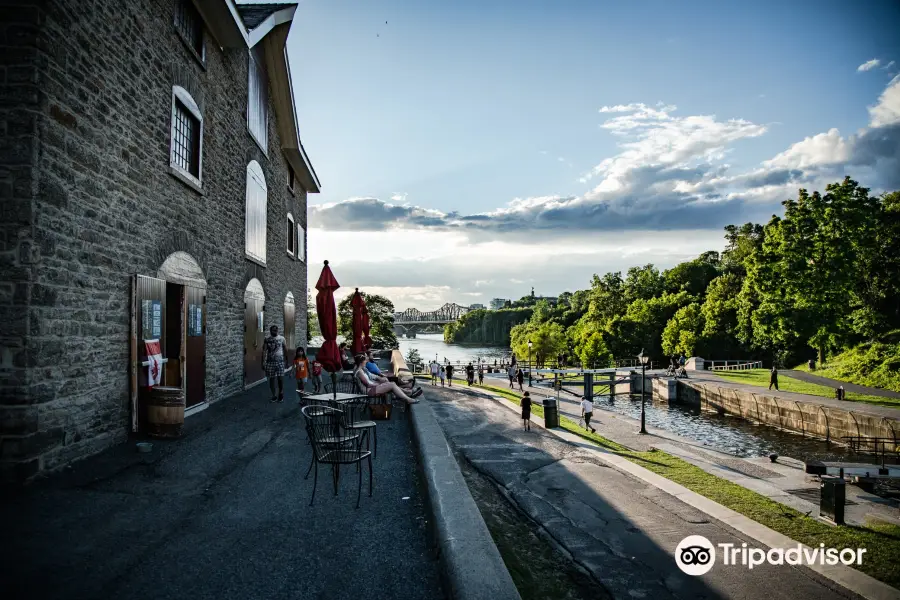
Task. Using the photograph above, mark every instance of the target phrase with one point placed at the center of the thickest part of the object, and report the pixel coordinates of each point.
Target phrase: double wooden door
(254, 334)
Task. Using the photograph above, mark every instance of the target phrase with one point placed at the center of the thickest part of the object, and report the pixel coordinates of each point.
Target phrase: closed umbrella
(367, 341)
(357, 304)
(328, 355)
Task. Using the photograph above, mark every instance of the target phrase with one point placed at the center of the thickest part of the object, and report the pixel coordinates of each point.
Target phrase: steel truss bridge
(412, 320)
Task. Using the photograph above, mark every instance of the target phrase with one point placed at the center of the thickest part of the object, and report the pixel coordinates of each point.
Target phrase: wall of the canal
(807, 418)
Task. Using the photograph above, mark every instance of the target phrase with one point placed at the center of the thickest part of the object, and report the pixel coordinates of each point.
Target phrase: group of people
(365, 370)
(444, 373)
(516, 375)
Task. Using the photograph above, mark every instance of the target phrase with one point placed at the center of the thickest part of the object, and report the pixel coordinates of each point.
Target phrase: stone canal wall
(808, 418)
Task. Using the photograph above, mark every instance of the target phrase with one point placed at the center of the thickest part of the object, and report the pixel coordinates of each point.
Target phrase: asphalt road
(222, 513)
(620, 529)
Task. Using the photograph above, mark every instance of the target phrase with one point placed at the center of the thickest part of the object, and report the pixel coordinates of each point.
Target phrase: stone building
(153, 186)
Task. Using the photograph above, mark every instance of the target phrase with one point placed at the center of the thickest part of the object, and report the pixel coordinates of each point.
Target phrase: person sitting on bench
(380, 388)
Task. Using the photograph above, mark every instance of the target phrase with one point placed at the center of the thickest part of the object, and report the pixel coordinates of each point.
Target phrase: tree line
(821, 278)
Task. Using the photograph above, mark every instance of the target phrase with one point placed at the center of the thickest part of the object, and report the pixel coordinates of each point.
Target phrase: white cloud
(887, 110)
(822, 149)
(888, 66)
(868, 65)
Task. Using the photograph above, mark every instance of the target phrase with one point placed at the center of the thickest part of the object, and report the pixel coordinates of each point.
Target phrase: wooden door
(289, 325)
(148, 322)
(195, 346)
(254, 333)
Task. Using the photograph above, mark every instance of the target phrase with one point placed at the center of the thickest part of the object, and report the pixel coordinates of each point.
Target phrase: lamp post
(643, 360)
(529, 363)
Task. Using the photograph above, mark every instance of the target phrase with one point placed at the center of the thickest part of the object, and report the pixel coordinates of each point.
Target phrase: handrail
(745, 366)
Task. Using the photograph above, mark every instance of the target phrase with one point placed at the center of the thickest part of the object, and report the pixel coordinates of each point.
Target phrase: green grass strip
(760, 378)
(881, 540)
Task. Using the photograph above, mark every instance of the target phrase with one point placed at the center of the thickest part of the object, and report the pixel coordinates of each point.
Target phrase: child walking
(443, 374)
(301, 370)
(317, 376)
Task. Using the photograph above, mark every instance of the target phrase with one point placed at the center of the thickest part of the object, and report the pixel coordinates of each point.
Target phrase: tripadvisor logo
(696, 555)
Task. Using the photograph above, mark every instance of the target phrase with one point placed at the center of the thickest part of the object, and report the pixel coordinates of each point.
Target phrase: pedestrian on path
(480, 375)
(526, 410)
(317, 376)
(773, 378)
(443, 374)
(520, 377)
(435, 371)
(511, 371)
(470, 374)
(587, 411)
(301, 370)
(449, 375)
(274, 353)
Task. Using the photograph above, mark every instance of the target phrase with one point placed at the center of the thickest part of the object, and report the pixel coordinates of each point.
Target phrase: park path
(834, 383)
(620, 529)
(222, 513)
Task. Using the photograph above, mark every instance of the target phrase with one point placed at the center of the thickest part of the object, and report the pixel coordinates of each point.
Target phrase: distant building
(476, 306)
(498, 303)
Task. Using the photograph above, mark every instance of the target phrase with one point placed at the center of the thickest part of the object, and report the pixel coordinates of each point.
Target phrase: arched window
(255, 229)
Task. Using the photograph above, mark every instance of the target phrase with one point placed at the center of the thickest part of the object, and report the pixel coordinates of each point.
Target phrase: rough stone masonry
(88, 201)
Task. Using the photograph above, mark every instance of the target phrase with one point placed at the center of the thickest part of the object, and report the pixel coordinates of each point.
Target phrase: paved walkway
(621, 529)
(222, 513)
(834, 383)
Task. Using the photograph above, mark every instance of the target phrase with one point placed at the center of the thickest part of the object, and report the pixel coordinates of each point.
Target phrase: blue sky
(462, 107)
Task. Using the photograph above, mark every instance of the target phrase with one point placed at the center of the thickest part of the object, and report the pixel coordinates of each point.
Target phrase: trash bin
(551, 413)
(832, 495)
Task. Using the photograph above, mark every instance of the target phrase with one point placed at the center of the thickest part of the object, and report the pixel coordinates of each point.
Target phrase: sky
(470, 150)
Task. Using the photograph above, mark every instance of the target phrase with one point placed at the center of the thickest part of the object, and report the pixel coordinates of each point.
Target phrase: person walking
(435, 371)
(443, 374)
(301, 370)
(480, 374)
(274, 353)
(526, 410)
(317, 376)
(511, 371)
(449, 375)
(587, 411)
(470, 374)
(773, 378)
(520, 377)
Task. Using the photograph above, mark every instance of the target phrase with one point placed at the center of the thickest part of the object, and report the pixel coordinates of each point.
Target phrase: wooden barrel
(165, 412)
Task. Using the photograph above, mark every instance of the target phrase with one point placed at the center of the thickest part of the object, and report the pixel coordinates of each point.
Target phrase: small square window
(190, 26)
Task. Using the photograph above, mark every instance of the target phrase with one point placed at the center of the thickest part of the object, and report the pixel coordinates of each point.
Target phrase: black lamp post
(529, 363)
(644, 360)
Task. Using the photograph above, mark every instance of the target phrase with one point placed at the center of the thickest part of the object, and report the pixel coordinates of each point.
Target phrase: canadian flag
(154, 357)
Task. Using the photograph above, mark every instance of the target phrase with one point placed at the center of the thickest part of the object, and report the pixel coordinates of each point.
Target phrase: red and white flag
(154, 356)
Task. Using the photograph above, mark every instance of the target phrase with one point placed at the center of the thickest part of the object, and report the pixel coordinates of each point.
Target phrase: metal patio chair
(355, 419)
(334, 445)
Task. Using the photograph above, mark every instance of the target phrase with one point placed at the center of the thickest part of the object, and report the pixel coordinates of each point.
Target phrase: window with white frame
(301, 243)
(255, 230)
(187, 136)
(291, 234)
(258, 99)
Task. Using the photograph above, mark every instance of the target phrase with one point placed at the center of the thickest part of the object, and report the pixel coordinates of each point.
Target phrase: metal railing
(732, 365)
(869, 445)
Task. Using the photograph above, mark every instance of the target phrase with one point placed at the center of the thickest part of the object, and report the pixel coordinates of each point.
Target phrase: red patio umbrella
(328, 355)
(367, 341)
(357, 303)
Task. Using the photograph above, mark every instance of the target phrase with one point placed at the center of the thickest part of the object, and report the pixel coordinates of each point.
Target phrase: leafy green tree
(548, 340)
(413, 357)
(489, 327)
(693, 276)
(643, 283)
(381, 319)
(742, 241)
(312, 319)
(683, 331)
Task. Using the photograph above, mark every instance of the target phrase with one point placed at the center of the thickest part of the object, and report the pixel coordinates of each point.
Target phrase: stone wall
(825, 422)
(89, 201)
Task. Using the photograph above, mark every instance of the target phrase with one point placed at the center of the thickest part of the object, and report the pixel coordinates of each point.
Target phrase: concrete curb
(847, 577)
(471, 565)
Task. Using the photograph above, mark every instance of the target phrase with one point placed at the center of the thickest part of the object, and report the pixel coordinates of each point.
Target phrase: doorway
(254, 333)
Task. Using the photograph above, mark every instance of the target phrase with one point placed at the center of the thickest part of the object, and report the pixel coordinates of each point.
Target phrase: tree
(548, 340)
(693, 276)
(682, 332)
(312, 319)
(490, 327)
(381, 319)
(413, 357)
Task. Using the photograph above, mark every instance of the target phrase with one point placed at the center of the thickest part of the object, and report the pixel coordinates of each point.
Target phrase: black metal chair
(332, 444)
(355, 419)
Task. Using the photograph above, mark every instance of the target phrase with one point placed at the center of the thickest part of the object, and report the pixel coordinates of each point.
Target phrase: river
(431, 344)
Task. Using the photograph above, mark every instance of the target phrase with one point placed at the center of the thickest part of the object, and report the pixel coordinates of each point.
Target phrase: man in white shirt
(435, 370)
(587, 411)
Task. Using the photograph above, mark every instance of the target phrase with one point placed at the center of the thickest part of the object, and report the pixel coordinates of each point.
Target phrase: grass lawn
(882, 541)
(760, 377)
